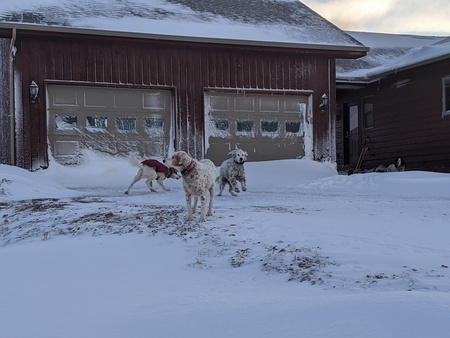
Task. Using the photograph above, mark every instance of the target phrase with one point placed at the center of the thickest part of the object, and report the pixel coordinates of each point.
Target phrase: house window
(446, 95)
(353, 119)
(367, 104)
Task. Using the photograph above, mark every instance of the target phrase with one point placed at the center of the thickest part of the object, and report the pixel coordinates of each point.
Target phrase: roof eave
(368, 79)
(346, 51)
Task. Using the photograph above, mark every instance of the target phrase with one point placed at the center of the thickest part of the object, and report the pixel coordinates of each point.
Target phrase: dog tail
(134, 160)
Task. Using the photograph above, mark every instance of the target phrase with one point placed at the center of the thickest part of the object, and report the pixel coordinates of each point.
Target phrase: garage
(268, 126)
(115, 121)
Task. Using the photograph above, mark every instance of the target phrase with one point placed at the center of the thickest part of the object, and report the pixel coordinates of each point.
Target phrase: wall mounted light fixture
(34, 92)
(323, 103)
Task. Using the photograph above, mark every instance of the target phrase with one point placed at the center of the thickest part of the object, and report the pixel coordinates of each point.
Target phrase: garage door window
(222, 125)
(220, 128)
(126, 123)
(244, 127)
(96, 123)
(65, 122)
(292, 127)
(154, 126)
(269, 126)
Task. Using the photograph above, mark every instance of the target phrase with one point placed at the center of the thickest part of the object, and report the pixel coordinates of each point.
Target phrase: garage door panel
(127, 100)
(218, 103)
(127, 146)
(155, 147)
(64, 98)
(154, 101)
(222, 149)
(269, 105)
(67, 147)
(244, 104)
(97, 99)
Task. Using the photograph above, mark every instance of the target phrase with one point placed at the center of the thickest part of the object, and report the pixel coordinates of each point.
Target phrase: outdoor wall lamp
(323, 103)
(34, 91)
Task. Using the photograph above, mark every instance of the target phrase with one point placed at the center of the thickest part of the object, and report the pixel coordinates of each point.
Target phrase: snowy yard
(303, 253)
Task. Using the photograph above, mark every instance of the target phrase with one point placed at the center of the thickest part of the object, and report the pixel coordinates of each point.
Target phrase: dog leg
(211, 199)
(203, 199)
(150, 185)
(243, 184)
(151, 176)
(194, 207)
(160, 180)
(136, 179)
(189, 206)
(233, 186)
(222, 183)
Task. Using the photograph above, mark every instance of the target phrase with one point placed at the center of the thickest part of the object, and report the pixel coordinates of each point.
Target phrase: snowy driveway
(304, 250)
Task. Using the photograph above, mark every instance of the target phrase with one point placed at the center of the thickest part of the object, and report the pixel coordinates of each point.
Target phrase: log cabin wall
(408, 120)
(186, 68)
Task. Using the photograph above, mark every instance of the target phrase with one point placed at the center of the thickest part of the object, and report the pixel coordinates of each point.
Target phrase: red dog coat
(159, 167)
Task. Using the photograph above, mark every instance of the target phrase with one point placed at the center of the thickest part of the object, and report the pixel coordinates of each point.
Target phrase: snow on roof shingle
(263, 21)
(391, 53)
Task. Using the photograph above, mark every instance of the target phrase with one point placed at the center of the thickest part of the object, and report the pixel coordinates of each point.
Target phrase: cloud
(386, 16)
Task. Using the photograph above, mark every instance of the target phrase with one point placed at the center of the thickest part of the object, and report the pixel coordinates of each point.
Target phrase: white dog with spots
(232, 171)
(198, 181)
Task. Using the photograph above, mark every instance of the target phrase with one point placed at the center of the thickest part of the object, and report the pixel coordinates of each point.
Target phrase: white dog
(198, 181)
(152, 170)
(398, 165)
(232, 171)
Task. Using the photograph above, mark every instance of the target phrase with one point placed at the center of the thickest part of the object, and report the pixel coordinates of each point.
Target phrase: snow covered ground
(305, 252)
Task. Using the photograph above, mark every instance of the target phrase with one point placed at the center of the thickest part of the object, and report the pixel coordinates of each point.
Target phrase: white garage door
(116, 121)
(267, 126)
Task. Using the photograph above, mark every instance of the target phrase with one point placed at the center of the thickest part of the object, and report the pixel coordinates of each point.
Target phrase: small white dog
(232, 171)
(398, 165)
(151, 170)
(198, 181)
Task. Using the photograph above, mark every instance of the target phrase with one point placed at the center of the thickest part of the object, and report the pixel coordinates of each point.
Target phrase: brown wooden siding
(408, 120)
(5, 107)
(187, 68)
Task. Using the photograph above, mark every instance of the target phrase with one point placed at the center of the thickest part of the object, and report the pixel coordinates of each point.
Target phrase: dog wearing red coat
(151, 170)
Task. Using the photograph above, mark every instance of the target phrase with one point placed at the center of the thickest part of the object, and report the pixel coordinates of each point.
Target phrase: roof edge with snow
(355, 51)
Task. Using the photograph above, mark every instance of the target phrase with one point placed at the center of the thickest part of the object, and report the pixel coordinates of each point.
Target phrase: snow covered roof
(287, 23)
(391, 53)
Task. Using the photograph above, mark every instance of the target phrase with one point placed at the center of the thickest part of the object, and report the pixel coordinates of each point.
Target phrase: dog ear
(231, 153)
(183, 158)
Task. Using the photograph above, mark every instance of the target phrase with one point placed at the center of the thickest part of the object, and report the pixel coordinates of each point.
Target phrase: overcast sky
(426, 17)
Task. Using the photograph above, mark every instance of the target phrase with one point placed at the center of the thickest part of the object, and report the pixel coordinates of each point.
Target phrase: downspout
(12, 54)
(332, 153)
